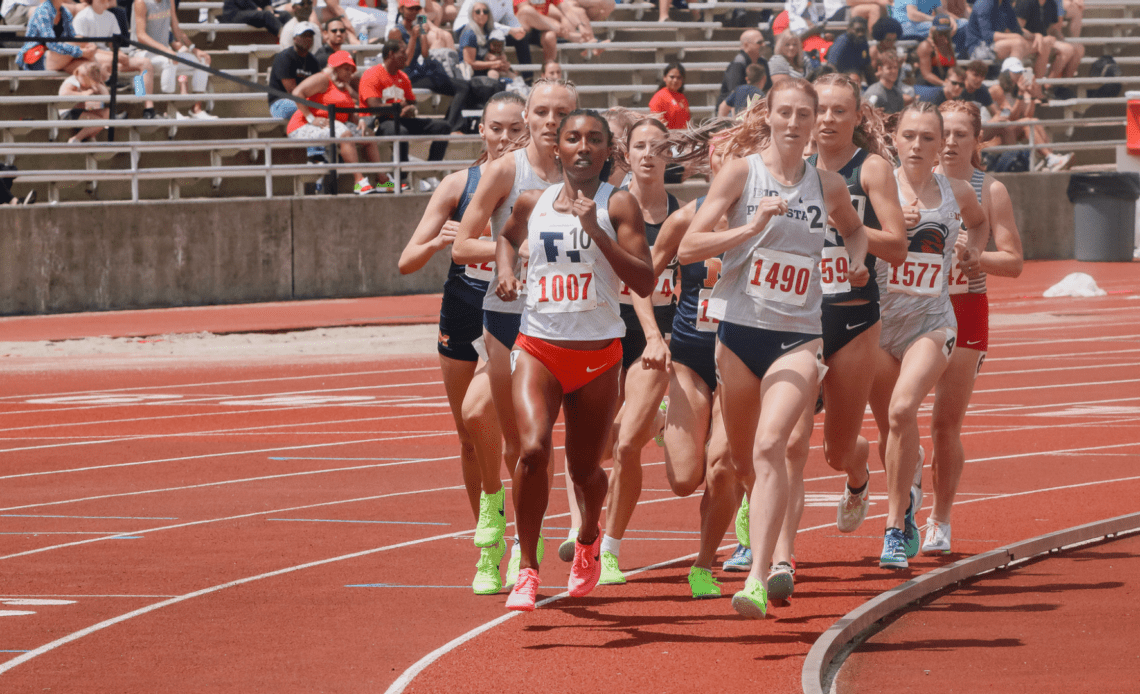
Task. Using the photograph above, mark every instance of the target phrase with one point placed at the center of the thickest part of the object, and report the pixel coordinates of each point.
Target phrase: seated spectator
(426, 44)
(546, 24)
(364, 24)
(291, 67)
(551, 70)
(474, 41)
(851, 54)
(503, 71)
(1039, 19)
(96, 21)
(336, 34)
(53, 21)
(935, 59)
(1074, 10)
(87, 81)
(756, 76)
(597, 10)
(1012, 94)
(993, 32)
(751, 43)
(872, 10)
(788, 59)
(332, 86)
(18, 12)
(952, 87)
(889, 93)
(975, 91)
(503, 14)
(256, 13)
(801, 16)
(916, 17)
(386, 86)
(6, 196)
(886, 32)
(155, 24)
(670, 100)
(302, 10)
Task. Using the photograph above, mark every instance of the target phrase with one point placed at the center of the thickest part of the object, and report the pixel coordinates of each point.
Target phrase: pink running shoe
(522, 596)
(586, 569)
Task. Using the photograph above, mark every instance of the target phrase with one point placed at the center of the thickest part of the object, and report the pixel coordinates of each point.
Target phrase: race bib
(959, 283)
(484, 272)
(705, 322)
(662, 293)
(563, 288)
(920, 275)
(833, 270)
(779, 276)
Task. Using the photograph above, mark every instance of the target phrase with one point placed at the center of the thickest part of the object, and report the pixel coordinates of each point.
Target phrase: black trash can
(1104, 215)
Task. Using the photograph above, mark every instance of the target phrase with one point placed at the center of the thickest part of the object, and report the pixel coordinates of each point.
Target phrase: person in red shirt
(386, 86)
(670, 100)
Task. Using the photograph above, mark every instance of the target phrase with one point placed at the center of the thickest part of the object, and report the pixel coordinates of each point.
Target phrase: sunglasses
(338, 31)
(482, 12)
(957, 84)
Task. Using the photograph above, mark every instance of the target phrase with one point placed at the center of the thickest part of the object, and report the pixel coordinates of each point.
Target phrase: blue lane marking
(22, 515)
(335, 520)
(15, 651)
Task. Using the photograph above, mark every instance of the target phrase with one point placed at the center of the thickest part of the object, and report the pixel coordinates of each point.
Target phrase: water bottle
(140, 86)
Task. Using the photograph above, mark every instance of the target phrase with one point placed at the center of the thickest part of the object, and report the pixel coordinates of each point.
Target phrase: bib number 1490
(779, 276)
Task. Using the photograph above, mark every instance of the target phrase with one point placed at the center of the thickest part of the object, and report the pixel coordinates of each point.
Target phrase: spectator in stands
(889, 93)
(788, 59)
(993, 32)
(952, 86)
(18, 12)
(155, 24)
(916, 17)
(474, 42)
(426, 45)
(95, 21)
(364, 24)
(336, 34)
(52, 20)
(332, 86)
(977, 92)
(756, 77)
(751, 43)
(851, 54)
(503, 14)
(597, 10)
(1039, 19)
(935, 58)
(871, 10)
(386, 86)
(552, 70)
(6, 196)
(256, 13)
(546, 23)
(291, 67)
(1012, 93)
(503, 72)
(87, 81)
(302, 10)
(670, 100)
(886, 32)
(1075, 11)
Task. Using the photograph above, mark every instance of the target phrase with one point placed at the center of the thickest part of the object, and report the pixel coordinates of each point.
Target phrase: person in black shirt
(256, 13)
(290, 67)
(1039, 18)
(751, 41)
(975, 90)
(952, 86)
(335, 35)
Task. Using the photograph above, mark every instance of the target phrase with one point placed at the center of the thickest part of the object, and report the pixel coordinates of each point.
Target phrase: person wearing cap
(425, 45)
(994, 33)
(291, 67)
(256, 13)
(1013, 97)
(332, 86)
(302, 10)
(1040, 20)
(851, 53)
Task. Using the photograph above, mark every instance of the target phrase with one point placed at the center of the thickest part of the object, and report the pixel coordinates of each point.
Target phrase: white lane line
(1107, 365)
(1060, 385)
(1065, 355)
(1055, 340)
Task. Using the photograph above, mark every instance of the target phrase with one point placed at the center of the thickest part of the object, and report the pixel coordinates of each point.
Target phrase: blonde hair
(974, 114)
(870, 132)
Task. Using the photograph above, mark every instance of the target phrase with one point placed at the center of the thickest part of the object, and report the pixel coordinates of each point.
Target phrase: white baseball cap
(1012, 65)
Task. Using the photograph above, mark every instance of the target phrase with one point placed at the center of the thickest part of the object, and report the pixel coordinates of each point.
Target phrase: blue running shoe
(912, 531)
(894, 550)
(740, 561)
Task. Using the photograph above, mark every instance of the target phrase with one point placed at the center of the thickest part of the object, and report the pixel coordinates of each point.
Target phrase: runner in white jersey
(768, 299)
(919, 329)
(462, 358)
(585, 238)
(962, 127)
(533, 167)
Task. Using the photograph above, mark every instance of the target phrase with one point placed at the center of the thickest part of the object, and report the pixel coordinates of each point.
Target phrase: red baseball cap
(410, 3)
(341, 58)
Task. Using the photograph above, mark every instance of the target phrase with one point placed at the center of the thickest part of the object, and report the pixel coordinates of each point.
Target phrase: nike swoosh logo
(973, 342)
(783, 346)
(857, 325)
(590, 371)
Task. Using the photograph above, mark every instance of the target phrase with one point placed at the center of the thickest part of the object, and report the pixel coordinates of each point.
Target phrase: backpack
(1105, 67)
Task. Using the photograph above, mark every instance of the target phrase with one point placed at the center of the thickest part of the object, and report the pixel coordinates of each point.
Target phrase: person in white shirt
(302, 10)
(96, 21)
(17, 12)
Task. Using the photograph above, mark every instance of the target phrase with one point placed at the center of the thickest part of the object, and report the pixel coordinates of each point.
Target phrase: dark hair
(591, 113)
(652, 122)
(754, 73)
(979, 67)
(675, 65)
(886, 25)
(958, 70)
(391, 46)
(915, 106)
(328, 23)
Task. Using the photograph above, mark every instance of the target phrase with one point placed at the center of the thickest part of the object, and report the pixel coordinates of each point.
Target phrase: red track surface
(248, 540)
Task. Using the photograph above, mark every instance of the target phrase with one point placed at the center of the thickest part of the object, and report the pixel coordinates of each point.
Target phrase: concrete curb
(846, 629)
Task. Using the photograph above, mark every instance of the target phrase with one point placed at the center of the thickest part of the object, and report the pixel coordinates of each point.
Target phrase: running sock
(611, 545)
(860, 489)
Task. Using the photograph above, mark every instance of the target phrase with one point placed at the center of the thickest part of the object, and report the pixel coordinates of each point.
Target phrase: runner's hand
(656, 355)
(912, 214)
(857, 274)
(769, 207)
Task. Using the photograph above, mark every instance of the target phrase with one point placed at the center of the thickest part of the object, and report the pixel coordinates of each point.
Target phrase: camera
(421, 19)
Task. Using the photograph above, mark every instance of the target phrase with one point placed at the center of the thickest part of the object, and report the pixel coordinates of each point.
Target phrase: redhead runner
(586, 239)
(851, 140)
(531, 168)
(769, 354)
(962, 128)
(461, 336)
(919, 331)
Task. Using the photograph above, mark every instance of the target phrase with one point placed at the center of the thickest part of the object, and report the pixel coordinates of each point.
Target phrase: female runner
(851, 140)
(460, 327)
(585, 239)
(531, 168)
(919, 330)
(962, 127)
(694, 417)
(645, 354)
(769, 352)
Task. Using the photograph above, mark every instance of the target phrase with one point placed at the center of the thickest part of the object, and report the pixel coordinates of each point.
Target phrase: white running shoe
(937, 538)
(917, 482)
(853, 508)
(202, 115)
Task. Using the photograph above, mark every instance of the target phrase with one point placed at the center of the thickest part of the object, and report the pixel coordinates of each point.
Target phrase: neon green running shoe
(742, 527)
(487, 580)
(566, 549)
(752, 602)
(611, 574)
(702, 583)
(664, 409)
(516, 560)
(492, 521)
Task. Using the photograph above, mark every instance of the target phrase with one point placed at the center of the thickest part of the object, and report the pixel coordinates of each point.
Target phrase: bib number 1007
(565, 289)
(779, 276)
